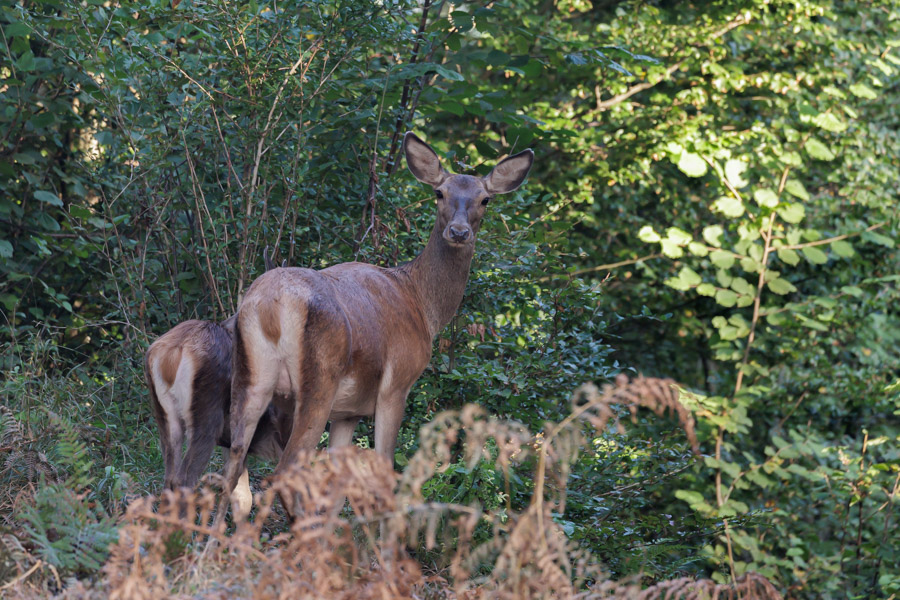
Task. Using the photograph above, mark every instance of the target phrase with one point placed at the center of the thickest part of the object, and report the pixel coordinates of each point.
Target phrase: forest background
(714, 200)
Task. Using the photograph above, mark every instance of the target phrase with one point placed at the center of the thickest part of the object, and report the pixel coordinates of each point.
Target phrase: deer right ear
(422, 161)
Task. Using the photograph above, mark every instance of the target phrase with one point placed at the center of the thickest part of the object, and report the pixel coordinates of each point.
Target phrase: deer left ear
(509, 173)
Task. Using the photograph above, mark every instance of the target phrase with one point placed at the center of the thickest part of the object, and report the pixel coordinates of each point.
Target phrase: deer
(188, 373)
(349, 341)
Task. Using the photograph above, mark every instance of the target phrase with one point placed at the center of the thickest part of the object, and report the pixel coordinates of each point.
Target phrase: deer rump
(188, 372)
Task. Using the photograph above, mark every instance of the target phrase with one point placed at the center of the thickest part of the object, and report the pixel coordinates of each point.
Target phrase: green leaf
(781, 286)
(6, 249)
(792, 159)
(678, 236)
(706, 289)
(453, 107)
(792, 212)
(671, 249)
(796, 189)
(692, 164)
(48, 197)
(766, 197)
(830, 122)
(726, 298)
(878, 238)
(448, 73)
(26, 61)
(818, 150)
(697, 249)
(742, 286)
(646, 234)
(712, 233)
(728, 206)
(861, 90)
(842, 248)
(734, 170)
(814, 255)
(690, 277)
(788, 256)
(852, 290)
(722, 259)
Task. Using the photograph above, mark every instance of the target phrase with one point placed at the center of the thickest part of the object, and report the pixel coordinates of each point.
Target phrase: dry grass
(168, 547)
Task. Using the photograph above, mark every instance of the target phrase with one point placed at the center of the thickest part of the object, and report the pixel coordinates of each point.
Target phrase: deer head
(462, 199)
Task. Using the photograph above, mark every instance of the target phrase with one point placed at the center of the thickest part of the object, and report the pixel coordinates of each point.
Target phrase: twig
(606, 267)
(835, 238)
(23, 576)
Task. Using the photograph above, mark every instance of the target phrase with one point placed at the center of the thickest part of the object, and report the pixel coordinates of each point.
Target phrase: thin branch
(606, 267)
(833, 239)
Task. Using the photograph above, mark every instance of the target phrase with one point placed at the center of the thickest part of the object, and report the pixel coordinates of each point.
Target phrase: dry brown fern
(168, 547)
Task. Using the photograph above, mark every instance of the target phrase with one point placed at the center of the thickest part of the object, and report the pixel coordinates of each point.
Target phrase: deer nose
(459, 234)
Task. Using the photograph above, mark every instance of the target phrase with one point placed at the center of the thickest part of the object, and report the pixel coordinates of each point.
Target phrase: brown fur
(201, 409)
(268, 322)
(168, 365)
(351, 340)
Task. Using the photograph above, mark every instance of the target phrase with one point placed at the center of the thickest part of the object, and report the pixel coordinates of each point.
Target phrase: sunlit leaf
(792, 212)
(692, 164)
(646, 234)
(728, 206)
(796, 189)
(734, 170)
(766, 197)
(861, 90)
(818, 150)
(712, 233)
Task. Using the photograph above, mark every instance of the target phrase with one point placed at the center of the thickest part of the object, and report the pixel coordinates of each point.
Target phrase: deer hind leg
(200, 446)
(310, 417)
(252, 385)
(321, 366)
(170, 451)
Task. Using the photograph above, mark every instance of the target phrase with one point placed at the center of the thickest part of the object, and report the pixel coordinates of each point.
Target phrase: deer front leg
(341, 433)
(389, 409)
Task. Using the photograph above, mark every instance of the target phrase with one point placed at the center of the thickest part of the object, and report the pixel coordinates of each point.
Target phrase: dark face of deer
(462, 199)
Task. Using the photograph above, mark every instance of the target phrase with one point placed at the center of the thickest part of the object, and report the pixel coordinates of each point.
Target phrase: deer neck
(439, 275)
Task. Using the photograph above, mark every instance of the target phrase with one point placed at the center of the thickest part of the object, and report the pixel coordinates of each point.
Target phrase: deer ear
(510, 173)
(423, 161)
(228, 324)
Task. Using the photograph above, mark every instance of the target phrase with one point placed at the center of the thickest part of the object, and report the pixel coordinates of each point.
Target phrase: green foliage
(64, 522)
(732, 165)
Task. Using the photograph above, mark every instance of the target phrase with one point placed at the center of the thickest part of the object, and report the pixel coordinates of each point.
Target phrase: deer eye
(485, 201)
(439, 194)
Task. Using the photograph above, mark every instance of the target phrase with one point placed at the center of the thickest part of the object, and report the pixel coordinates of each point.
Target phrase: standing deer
(188, 372)
(351, 340)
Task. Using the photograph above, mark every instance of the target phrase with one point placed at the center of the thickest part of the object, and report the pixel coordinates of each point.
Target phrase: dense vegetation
(714, 200)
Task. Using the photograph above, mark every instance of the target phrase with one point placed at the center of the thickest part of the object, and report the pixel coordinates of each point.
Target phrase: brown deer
(188, 372)
(350, 341)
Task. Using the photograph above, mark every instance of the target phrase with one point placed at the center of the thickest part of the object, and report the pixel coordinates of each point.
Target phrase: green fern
(73, 455)
(67, 525)
(68, 530)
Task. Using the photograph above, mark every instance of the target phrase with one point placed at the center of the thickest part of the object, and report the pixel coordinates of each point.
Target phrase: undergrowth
(391, 543)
